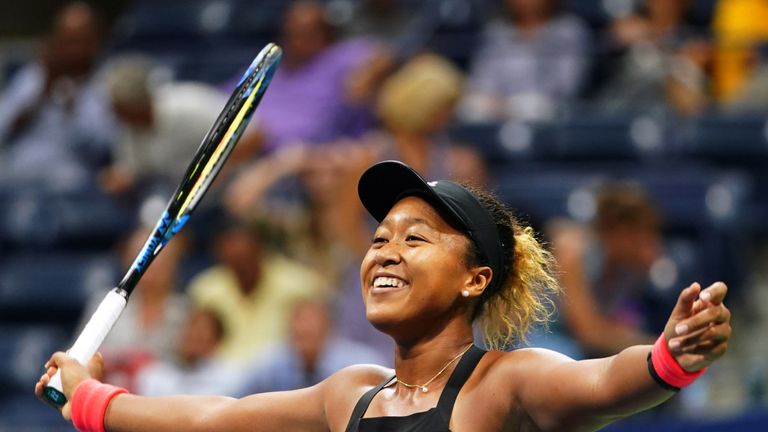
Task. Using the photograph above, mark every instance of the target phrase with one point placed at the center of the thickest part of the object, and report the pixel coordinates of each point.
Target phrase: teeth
(388, 282)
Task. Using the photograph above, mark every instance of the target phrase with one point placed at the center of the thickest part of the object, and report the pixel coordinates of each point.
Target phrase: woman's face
(414, 271)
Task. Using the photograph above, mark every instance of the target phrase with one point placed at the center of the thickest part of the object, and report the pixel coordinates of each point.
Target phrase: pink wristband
(89, 404)
(667, 368)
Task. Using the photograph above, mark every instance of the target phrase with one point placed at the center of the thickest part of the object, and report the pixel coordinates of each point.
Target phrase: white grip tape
(95, 331)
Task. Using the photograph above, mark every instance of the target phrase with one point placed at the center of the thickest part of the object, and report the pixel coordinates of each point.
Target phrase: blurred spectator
(740, 28)
(415, 107)
(664, 64)
(605, 270)
(151, 321)
(753, 97)
(251, 289)
(383, 20)
(400, 30)
(312, 353)
(308, 197)
(163, 125)
(529, 62)
(194, 368)
(54, 123)
(324, 226)
(306, 99)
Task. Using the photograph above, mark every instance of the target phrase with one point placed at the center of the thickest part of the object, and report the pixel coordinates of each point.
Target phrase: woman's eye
(378, 240)
(413, 238)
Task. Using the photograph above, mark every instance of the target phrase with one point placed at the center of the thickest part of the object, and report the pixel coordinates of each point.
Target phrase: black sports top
(435, 419)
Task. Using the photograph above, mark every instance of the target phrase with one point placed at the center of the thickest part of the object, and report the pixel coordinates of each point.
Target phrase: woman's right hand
(72, 374)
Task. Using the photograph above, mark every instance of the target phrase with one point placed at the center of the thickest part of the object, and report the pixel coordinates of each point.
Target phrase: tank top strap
(362, 405)
(459, 376)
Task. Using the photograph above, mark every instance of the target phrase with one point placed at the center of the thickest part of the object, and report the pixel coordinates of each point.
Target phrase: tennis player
(444, 257)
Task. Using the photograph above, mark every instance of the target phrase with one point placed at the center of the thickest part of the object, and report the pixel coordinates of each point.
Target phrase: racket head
(210, 157)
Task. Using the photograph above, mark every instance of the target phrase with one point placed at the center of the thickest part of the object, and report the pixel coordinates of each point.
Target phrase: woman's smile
(386, 284)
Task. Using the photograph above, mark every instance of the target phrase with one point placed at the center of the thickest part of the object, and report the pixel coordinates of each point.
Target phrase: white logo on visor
(432, 183)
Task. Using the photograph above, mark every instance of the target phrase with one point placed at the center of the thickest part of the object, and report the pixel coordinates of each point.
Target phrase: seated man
(55, 126)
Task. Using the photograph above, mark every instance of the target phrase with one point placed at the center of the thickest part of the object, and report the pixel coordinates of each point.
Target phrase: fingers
(41, 383)
(96, 366)
(704, 338)
(713, 314)
(714, 293)
(50, 370)
(699, 349)
(707, 352)
(685, 301)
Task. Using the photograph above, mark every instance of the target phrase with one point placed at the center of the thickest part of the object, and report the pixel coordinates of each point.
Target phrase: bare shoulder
(521, 366)
(363, 374)
(524, 359)
(344, 388)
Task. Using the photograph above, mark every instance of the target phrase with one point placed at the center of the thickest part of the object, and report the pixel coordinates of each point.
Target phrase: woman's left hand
(698, 330)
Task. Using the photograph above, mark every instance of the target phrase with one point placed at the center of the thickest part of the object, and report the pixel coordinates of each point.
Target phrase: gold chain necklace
(424, 387)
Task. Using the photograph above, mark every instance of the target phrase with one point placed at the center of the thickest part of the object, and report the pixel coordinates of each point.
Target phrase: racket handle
(89, 341)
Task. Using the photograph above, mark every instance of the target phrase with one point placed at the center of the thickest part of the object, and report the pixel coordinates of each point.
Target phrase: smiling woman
(445, 214)
(443, 257)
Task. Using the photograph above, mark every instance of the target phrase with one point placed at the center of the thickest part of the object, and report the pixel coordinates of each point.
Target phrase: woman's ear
(479, 280)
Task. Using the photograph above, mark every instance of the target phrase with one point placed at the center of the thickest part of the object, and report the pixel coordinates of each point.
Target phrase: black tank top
(435, 419)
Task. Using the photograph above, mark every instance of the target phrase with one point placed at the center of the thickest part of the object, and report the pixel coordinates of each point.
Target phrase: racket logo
(158, 240)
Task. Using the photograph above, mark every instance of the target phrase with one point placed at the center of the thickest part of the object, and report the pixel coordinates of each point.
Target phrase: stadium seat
(542, 194)
(741, 139)
(501, 143)
(615, 136)
(21, 411)
(174, 19)
(259, 20)
(39, 217)
(23, 351)
(52, 287)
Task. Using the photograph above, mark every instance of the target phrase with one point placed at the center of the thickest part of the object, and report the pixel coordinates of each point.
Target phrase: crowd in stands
(593, 118)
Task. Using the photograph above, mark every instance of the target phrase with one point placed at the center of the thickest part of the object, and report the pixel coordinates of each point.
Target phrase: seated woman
(442, 257)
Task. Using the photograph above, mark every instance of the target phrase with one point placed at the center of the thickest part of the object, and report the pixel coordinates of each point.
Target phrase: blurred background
(633, 134)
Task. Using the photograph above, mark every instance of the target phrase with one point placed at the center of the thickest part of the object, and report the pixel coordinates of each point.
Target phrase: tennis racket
(207, 162)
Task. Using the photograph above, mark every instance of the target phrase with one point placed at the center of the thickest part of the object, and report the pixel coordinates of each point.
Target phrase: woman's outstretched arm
(299, 410)
(558, 393)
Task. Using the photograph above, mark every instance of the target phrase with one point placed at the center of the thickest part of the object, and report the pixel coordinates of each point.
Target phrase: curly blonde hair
(524, 297)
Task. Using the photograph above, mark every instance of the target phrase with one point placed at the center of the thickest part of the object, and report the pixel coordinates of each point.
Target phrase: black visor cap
(384, 184)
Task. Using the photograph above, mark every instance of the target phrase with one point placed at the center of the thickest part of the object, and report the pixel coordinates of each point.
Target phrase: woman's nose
(388, 254)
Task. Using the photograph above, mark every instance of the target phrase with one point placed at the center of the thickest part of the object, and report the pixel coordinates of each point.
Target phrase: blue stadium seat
(586, 137)
(501, 143)
(21, 411)
(174, 19)
(614, 136)
(256, 19)
(741, 139)
(686, 196)
(23, 351)
(39, 217)
(542, 194)
(51, 287)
